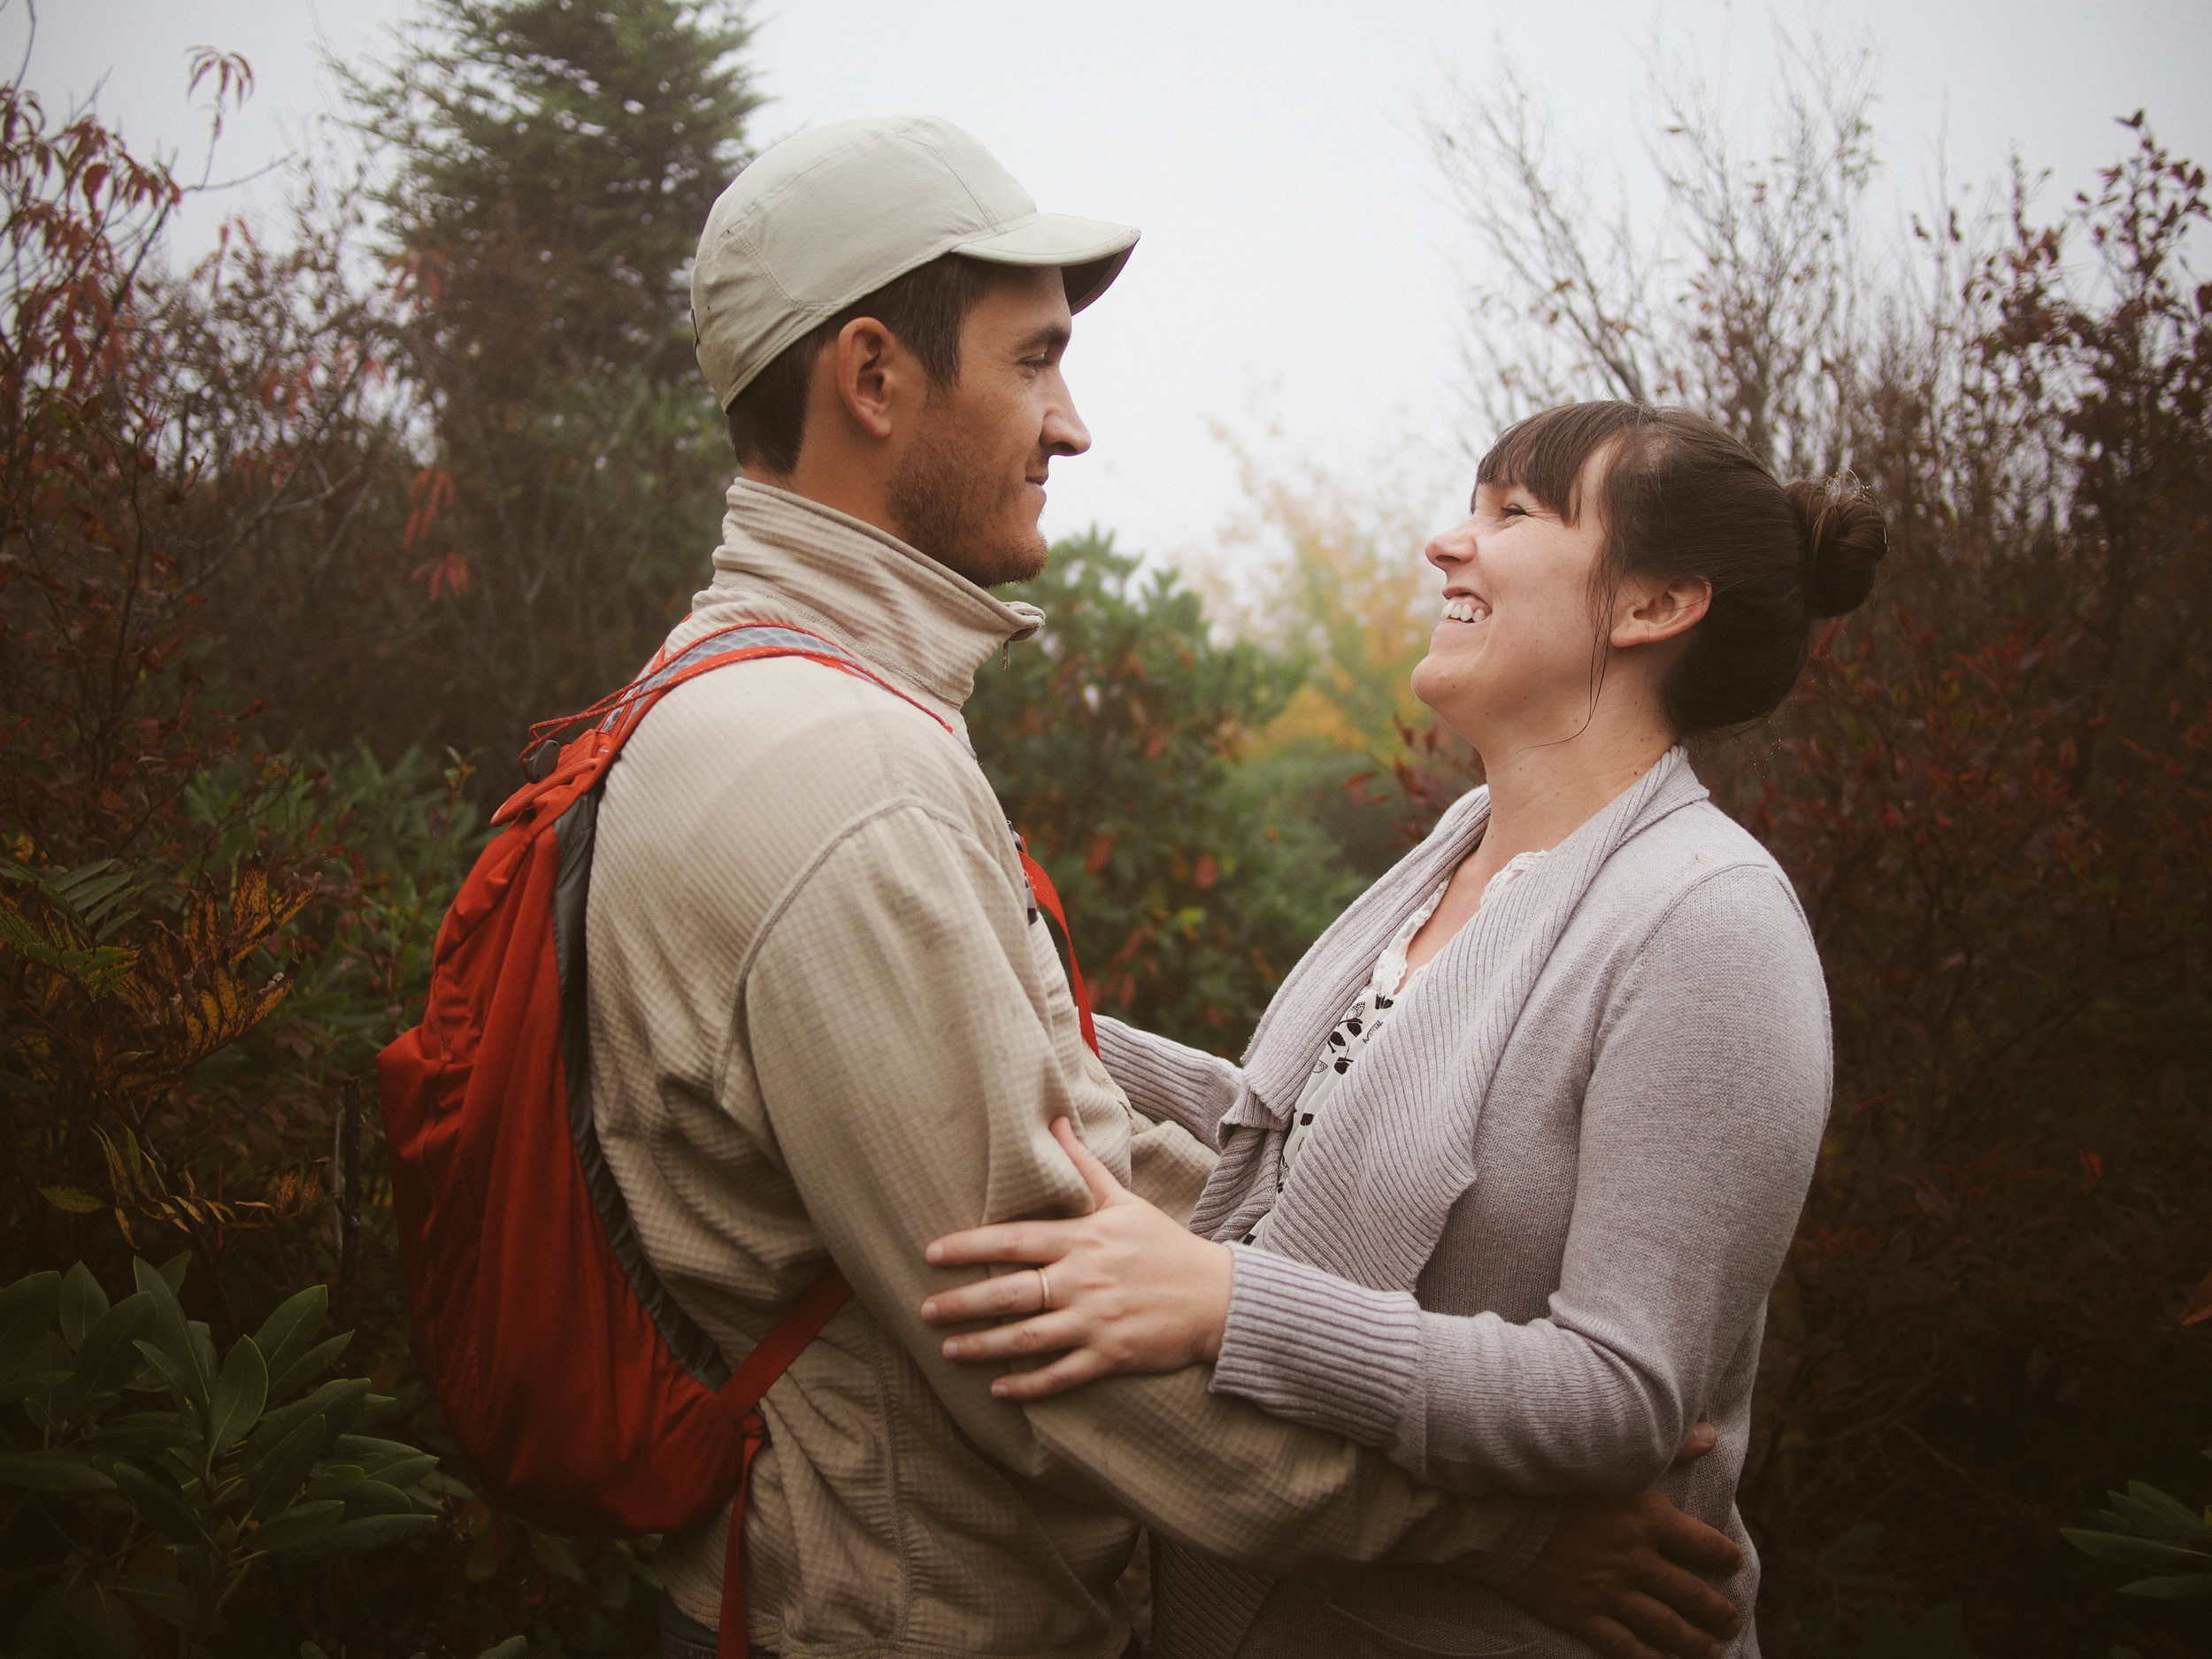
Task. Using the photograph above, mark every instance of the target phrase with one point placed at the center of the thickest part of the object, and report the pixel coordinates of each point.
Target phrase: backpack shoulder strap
(771, 1356)
(618, 716)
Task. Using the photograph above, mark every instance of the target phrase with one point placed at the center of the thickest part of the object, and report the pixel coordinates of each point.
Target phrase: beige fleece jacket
(826, 1026)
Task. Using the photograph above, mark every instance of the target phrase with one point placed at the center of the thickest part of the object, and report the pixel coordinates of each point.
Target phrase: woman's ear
(1647, 613)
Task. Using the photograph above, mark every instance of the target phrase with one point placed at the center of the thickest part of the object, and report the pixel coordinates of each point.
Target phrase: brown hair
(1684, 497)
(926, 308)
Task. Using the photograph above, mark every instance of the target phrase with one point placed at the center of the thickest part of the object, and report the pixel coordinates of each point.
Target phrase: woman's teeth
(1465, 610)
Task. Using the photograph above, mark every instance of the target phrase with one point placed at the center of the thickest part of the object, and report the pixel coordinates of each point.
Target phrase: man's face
(970, 488)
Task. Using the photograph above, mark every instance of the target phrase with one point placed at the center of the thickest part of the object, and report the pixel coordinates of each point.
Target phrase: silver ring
(1044, 1290)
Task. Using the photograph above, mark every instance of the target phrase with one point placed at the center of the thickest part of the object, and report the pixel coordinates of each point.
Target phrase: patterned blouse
(1388, 985)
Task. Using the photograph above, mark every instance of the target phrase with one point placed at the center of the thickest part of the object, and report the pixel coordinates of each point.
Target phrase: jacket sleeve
(1168, 1081)
(913, 1042)
(1700, 1127)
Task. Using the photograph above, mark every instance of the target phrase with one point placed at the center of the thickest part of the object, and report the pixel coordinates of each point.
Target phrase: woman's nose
(1452, 547)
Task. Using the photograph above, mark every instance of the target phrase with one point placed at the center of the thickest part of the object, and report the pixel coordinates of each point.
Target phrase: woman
(1518, 1147)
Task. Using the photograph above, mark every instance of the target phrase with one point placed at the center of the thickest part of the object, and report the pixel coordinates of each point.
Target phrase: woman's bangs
(1545, 454)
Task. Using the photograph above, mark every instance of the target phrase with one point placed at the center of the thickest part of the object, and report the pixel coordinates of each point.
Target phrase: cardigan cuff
(1304, 1344)
(1168, 1082)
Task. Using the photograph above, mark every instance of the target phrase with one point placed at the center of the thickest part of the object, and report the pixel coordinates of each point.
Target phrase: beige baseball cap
(832, 214)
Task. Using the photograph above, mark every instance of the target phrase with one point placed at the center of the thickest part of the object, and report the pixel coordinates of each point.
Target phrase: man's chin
(1015, 559)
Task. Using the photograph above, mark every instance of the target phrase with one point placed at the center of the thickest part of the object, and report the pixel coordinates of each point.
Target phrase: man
(827, 1024)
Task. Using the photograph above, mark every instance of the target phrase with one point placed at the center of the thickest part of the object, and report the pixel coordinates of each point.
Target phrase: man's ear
(1648, 614)
(866, 363)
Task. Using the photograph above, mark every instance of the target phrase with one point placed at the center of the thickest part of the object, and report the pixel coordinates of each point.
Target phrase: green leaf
(308, 1365)
(280, 1472)
(2145, 1510)
(288, 1332)
(403, 1472)
(172, 1271)
(513, 1647)
(26, 1311)
(106, 1357)
(558, 1556)
(336, 1400)
(375, 1497)
(46, 1367)
(368, 1451)
(2196, 1588)
(57, 1469)
(239, 1393)
(158, 1504)
(190, 1378)
(394, 1463)
(44, 1622)
(291, 1529)
(165, 1598)
(92, 890)
(82, 1302)
(334, 1480)
(140, 1434)
(2128, 1551)
(100, 1623)
(173, 1377)
(369, 1532)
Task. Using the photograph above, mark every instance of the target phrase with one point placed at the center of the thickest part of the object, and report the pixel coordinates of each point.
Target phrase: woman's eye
(1513, 510)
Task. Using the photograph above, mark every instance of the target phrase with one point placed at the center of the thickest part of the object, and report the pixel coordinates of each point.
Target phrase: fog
(1301, 273)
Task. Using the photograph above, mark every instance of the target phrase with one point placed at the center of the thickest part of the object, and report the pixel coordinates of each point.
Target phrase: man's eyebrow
(1052, 336)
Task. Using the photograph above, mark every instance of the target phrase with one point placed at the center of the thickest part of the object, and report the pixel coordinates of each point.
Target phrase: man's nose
(1065, 433)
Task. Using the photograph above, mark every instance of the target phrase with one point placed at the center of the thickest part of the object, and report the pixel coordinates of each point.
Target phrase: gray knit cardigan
(1531, 1239)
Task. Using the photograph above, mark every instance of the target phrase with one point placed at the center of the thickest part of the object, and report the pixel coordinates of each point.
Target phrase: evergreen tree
(551, 165)
(562, 155)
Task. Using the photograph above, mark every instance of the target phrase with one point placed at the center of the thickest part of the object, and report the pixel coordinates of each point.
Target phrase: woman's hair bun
(1844, 538)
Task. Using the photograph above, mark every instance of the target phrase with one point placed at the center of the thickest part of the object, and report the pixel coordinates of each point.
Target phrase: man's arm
(913, 1049)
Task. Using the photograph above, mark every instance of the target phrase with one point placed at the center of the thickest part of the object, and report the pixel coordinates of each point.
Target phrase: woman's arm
(1169, 1082)
(1699, 1128)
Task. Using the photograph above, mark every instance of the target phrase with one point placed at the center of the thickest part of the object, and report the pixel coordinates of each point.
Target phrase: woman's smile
(1464, 608)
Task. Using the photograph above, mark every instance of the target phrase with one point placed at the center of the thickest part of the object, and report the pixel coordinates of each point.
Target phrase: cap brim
(1090, 251)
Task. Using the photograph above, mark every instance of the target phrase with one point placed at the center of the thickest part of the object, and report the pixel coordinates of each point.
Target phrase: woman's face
(1514, 658)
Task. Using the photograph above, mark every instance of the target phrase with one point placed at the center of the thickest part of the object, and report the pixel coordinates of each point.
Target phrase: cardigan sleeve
(1171, 1083)
(1699, 1129)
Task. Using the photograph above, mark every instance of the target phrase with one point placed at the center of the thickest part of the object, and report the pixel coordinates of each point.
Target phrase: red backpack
(585, 1399)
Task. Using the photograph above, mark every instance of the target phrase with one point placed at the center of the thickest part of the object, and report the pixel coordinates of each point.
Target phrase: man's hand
(1621, 1573)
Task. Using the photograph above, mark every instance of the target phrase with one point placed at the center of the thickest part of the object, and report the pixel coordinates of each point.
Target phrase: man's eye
(1513, 510)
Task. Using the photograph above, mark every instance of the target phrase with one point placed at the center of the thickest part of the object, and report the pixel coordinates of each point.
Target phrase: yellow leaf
(75, 1200)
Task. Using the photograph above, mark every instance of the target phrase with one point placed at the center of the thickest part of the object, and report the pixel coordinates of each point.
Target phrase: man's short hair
(926, 308)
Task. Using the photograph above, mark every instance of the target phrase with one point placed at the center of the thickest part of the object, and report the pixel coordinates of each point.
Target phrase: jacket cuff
(1304, 1344)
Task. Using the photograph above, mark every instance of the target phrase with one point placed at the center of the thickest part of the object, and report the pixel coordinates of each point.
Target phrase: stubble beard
(950, 504)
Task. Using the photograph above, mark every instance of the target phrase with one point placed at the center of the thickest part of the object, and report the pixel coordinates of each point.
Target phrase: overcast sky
(1298, 262)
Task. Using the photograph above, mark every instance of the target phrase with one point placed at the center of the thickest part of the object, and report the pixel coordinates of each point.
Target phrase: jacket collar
(925, 628)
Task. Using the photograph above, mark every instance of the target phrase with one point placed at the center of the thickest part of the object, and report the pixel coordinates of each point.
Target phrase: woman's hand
(1128, 1289)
